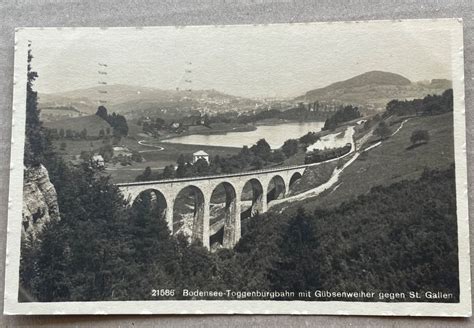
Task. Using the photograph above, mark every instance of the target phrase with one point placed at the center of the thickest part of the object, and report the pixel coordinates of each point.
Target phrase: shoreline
(240, 128)
(243, 128)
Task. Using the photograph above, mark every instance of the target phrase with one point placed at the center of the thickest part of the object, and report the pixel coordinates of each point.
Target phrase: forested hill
(373, 90)
(373, 77)
(142, 101)
(394, 239)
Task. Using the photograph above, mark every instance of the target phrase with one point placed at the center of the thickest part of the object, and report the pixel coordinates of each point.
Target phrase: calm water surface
(275, 135)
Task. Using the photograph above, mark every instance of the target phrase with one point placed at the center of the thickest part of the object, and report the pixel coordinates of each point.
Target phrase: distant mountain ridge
(368, 78)
(373, 90)
(134, 100)
(119, 93)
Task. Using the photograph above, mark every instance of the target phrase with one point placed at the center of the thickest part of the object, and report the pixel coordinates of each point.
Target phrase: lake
(275, 135)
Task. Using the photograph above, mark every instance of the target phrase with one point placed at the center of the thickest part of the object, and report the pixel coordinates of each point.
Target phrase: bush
(137, 157)
(309, 138)
(317, 155)
(419, 136)
(382, 130)
(107, 152)
(278, 156)
(290, 147)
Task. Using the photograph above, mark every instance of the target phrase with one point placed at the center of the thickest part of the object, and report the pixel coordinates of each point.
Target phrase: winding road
(143, 143)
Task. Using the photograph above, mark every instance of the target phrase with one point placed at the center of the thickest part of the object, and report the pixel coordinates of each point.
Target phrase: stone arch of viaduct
(203, 187)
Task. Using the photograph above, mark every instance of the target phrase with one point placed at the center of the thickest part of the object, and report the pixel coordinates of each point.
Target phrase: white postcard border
(12, 306)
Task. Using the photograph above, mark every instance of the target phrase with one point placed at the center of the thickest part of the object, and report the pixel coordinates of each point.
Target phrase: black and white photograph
(314, 168)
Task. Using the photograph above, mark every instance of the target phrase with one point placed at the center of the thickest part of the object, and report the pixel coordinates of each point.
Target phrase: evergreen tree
(201, 167)
(290, 147)
(118, 122)
(145, 176)
(169, 172)
(261, 149)
(382, 131)
(181, 169)
(36, 143)
(84, 133)
(102, 112)
(297, 269)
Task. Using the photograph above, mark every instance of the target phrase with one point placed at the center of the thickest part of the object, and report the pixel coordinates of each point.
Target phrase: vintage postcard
(314, 168)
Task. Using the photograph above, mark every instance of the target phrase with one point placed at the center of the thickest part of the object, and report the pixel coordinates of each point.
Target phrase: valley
(154, 144)
(274, 163)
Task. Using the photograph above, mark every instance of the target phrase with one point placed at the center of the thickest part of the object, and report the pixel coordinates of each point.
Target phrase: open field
(159, 159)
(92, 123)
(75, 147)
(153, 157)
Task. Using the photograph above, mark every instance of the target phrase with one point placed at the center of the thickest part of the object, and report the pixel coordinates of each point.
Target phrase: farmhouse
(98, 161)
(201, 154)
(122, 151)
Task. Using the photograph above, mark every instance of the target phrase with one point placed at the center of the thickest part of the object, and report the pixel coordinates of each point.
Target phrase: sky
(254, 61)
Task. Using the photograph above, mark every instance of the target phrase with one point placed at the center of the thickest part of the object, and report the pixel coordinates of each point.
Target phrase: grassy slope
(392, 161)
(92, 123)
(75, 147)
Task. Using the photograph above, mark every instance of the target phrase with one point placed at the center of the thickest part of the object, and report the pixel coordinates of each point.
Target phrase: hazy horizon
(227, 93)
(263, 61)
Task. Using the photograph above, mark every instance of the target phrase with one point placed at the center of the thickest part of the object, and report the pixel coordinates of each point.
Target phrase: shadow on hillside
(413, 146)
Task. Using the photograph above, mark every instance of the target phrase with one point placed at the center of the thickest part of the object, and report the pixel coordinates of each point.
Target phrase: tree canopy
(116, 121)
(345, 114)
(429, 105)
(37, 144)
(420, 136)
(382, 130)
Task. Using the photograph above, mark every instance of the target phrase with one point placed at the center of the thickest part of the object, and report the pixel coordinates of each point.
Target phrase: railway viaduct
(266, 185)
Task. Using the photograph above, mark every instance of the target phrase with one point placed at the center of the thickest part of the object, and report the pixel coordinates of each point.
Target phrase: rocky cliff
(40, 204)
